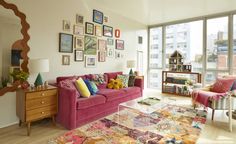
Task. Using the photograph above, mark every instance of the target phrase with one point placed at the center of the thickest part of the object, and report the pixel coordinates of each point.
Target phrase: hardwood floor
(215, 132)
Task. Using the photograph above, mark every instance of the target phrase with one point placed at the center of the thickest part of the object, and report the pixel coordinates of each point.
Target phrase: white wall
(45, 19)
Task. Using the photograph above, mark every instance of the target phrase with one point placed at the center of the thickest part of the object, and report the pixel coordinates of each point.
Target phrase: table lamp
(38, 66)
(131, 64)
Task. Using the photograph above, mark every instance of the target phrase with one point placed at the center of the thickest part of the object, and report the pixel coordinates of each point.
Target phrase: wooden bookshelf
(173, 82)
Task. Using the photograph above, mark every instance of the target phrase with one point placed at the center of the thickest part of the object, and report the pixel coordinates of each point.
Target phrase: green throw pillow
(124, 79)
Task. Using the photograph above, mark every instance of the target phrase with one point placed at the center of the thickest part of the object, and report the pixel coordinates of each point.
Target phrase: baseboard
(9, 124)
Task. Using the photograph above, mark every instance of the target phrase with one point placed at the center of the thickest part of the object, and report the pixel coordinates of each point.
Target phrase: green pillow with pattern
(124, 79)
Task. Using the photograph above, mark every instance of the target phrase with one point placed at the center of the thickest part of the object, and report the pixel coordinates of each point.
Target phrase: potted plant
(22, 77)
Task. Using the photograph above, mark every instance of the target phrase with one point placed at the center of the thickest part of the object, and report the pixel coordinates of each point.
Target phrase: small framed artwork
(90, 61)
(89, 28)
(66, 25)
(90, 45)
(79, 55)
(98, 30)
(140, 40)
(117, 55)
(117, 33)
(110, 52)
(65, 43)
(101, 56)
(107, 31)
(65, 60)
(120, 44)
(105, 19)
(79, 43)
(102, 45)
(97, 17)
(110, 41)
(78, 30)
(79, 19)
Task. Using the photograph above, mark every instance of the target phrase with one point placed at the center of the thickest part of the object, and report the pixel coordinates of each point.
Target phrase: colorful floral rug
(169, 125)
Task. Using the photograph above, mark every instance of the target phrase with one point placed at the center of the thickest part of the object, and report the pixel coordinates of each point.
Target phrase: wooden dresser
(33, 105)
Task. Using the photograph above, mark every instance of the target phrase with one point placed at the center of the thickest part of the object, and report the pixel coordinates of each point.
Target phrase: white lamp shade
(130, 63)
(38, 65)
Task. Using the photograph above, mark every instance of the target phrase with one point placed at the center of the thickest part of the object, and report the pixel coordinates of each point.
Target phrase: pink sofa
(74, 111)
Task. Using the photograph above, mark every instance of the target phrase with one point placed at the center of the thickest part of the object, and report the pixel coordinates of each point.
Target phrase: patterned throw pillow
(91, 86)
(222, 85)
(98, 79)
(131, 81)
(69, 84)
(124, 79)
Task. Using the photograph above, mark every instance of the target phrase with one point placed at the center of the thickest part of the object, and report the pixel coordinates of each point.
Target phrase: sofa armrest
(67, 108)
(139, 82)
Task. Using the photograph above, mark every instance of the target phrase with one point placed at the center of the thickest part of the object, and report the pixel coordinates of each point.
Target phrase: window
(217, 43)
(187, 38)
(155, 78)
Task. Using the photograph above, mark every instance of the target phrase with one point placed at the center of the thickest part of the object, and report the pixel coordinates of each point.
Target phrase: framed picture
(90, 45)
(102, 45)
(79, 55)
(65, 60)
(110, 52)
(65, 43)
(101, 56)
(66, 25)
(79, 19)
(117, 55)
(78, 30)
(98, 30)
(79, 43)
(110, 41)
(120, 44)
(117, 33)
(97, 17)
(90, 61)
(107, 31)
(89, 28)
(105, 19)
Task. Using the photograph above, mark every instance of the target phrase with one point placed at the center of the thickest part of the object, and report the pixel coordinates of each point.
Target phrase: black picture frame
(97, 17)
(65, 43)
(120, 44)
(89, 28)
(107, 31)
(76, 56)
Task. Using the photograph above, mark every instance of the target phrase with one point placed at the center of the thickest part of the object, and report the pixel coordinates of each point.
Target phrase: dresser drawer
(40, 113)
(41, 94)
(41, 102)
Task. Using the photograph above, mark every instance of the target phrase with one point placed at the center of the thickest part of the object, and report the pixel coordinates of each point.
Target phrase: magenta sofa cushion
(83, 103)
(113, 75)
(112, 94)
(69, 77)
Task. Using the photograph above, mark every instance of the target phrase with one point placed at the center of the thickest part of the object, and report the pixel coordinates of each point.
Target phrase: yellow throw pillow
(83, 89)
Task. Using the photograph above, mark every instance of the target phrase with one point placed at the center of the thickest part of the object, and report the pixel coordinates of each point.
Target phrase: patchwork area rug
(171, 124)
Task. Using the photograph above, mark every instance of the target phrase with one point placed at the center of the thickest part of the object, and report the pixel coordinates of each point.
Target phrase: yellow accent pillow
(82, 87)
(115, 84)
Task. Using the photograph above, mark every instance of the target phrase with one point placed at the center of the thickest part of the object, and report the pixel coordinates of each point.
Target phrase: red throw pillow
(222, 85)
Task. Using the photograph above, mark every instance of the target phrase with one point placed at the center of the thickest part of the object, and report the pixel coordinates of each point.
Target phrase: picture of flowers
(90, 45)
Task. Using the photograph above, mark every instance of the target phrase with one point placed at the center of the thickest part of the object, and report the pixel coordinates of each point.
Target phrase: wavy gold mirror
(18, 47)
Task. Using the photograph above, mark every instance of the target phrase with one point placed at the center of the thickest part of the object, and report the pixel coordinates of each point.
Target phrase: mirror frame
(23, 42)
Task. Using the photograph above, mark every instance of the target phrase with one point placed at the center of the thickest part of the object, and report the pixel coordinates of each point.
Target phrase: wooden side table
(36, 104)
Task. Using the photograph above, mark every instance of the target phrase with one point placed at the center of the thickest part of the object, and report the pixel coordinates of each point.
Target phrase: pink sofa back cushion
(59, 79)
(113, 75)
(69, 84)
(222, 85)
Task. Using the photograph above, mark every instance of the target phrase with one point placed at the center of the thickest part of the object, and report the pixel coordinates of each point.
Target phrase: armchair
(215, 99)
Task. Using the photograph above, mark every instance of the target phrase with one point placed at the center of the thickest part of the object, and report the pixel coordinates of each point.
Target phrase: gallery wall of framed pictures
(91, 41)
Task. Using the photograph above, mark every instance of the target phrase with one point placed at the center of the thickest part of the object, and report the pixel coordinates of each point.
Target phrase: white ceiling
(151, 12)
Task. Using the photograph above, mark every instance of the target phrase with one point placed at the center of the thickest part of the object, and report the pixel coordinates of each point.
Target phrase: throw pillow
(222, 85)
(69, 84)
(115, 84)
(131, 81)
(82, 88)
(91, 86)
(124, 79)
(98, 79)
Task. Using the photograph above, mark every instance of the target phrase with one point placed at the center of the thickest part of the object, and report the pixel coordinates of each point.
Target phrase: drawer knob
(42, 112)
(43, 94)
(42, 102)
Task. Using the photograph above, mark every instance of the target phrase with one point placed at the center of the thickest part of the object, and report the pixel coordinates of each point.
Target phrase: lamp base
(131, 72)
(38, 81)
